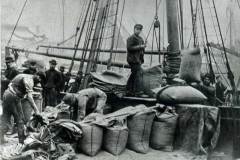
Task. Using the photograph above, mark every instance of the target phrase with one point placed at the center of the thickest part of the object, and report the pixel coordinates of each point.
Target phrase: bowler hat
(138, 26)
(53, 61)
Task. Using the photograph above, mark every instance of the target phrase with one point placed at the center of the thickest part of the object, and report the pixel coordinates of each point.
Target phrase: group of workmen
(19, 86)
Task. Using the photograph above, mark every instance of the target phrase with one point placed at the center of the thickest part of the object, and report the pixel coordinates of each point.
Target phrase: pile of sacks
(109, 82)
(136, 128)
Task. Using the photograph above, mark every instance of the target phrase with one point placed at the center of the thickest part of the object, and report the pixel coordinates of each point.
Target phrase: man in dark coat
(52, 86)
(64, 78)
(9, 74)
(135, 57)
(31, 69)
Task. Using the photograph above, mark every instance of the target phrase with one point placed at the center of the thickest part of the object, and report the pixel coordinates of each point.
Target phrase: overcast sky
(44, 18)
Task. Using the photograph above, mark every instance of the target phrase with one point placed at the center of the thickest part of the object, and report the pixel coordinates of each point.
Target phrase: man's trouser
(12, 107)
(134, 83)
(51, 96)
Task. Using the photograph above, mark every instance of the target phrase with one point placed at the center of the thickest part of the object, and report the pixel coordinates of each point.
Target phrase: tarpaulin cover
(152, 78)
(198, 128)
(65, 130)
(110, 77)
(60, 112)
(109, 82)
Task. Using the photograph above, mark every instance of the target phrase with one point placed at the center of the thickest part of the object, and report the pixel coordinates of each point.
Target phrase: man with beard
(52, 86)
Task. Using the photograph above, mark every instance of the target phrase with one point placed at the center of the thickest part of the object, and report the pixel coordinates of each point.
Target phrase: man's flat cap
(53, 61)
(9, 59)
(138, 26)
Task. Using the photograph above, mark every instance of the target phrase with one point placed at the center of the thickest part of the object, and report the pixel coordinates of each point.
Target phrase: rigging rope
(120, 25)
(15, 26)
(213, 21)
(152, 22)
(63, 18)
(238, 4)
(230, 74)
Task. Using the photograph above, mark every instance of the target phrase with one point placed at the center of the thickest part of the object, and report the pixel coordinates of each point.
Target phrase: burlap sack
(139, 127)
(190, 67)
(91, 141)
(163, 130)
(152, 78)
(180, 95)
(115, 139)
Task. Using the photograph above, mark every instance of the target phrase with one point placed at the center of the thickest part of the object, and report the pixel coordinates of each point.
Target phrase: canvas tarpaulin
(152, 78)
(198, 128)
(110, 82)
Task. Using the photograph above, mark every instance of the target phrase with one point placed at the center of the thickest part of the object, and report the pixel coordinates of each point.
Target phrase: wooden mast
(102, 6)
(172, 24)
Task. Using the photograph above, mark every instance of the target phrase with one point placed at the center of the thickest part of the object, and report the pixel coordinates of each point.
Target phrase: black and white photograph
(120, 80)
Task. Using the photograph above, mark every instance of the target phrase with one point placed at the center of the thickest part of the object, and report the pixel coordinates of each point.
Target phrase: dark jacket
(209, 92)
(10, 73)
(30, 71)
(53, 79)
(64, 80)
(134, 51)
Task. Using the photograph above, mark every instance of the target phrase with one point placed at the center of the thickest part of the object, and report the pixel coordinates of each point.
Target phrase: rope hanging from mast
(230, 73)
(207, 49)
(17, 22)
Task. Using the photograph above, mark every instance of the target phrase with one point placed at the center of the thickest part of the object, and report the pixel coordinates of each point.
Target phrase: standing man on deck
(9, 73)
(135, 58)
(52, 86)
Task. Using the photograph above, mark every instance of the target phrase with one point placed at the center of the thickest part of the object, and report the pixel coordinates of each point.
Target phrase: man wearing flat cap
(135, 58)
(52, 86)
(10, 71)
